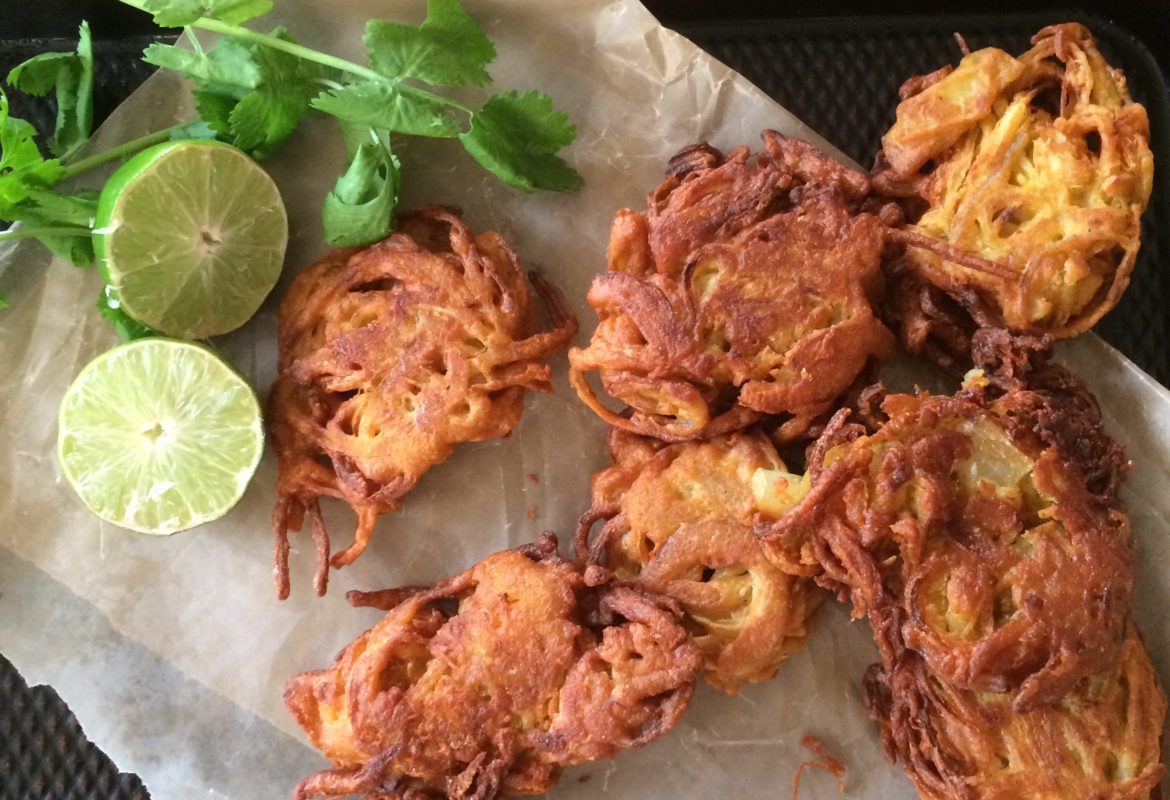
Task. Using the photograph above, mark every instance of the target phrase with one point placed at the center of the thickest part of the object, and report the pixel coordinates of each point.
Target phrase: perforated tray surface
(44, 754)
(841, 76)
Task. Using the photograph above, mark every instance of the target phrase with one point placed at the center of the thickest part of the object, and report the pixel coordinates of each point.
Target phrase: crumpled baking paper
(173, 651)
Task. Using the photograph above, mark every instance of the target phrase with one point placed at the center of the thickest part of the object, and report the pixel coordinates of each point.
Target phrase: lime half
(191, 235)
(159, 435)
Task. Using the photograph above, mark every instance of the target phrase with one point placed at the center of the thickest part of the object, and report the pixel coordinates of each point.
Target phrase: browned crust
(492, 681)
(1024, 180)
(1102, 740)
(743, 290)
(392, 355)
(965, 574)
(677, 520)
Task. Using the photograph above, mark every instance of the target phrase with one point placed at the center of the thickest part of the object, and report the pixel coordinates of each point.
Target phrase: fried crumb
(824, 760)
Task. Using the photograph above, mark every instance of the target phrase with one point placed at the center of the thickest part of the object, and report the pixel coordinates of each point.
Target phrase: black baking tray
(840, 74)
(44, 754)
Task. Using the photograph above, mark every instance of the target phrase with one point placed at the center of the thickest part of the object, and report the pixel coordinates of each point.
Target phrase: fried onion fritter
(678, 520)
(983, 537)
(492, 681)
(392, 355)
(745, 289)
(968, 519)
(1101, 740)
(1033, 172)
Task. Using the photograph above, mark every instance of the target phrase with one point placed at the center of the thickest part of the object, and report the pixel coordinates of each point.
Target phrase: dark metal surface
(44, 754)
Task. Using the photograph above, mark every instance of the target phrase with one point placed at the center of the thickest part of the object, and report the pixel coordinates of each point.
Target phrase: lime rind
(159, 436)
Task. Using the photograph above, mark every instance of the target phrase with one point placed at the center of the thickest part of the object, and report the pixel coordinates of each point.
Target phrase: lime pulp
(191, 235)
(159, 435)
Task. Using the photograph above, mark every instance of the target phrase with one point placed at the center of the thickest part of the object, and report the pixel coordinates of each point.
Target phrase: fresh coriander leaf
(178, 13)
(18, 150)
(75, 100)
(264, 106)
(21, 164)
(354, 136)
(71, 75)
(77, 250)
(359, 209)
(80, 123)
(227, 69)
(127, 327)
(215, 110)
(448, 49)
(384, 105)
(516, 137)
(3, 301)
(265, 117)
(38, 75)
(45, 208)
(16, 185)
(196, 129)
(54, 208)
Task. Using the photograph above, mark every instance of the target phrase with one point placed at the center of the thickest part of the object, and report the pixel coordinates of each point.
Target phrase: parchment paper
(173, 651)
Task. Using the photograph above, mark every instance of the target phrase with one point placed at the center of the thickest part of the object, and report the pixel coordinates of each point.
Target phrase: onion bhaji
(745, 289)
(389, 357)
(678, 520)
(953, 518)
(1025, 179)
(983, 537)
(492, 681)
(1101, 740)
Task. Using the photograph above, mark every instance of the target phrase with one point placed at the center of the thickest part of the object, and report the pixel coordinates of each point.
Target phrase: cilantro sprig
(30, 192)
(253, 88)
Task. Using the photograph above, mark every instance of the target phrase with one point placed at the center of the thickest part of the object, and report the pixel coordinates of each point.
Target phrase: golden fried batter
(1034, 172)
(1101, 740)
(743, 290)
(389, 357)
(983, 537)
(951, 522)
(492, 681)
(679, 521)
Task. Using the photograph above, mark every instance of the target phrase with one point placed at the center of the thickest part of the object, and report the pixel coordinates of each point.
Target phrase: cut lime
(191, 235)
(159, 435)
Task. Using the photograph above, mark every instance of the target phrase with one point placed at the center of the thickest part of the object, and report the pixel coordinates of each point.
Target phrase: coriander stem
(193, 39)
(324, 59)
(437, 98)
(293, 49)
(114, 153)
(28, 233)
(317, 57)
